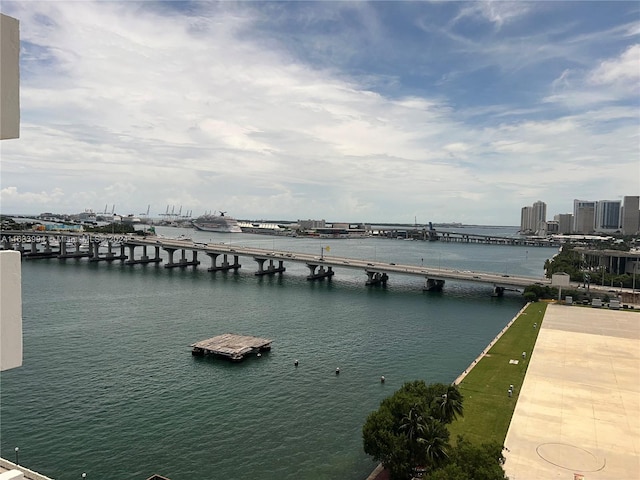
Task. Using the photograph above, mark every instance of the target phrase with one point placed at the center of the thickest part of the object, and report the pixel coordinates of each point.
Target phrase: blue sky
(347, 111)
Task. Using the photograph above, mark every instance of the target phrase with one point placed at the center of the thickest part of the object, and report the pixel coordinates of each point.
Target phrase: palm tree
(427, 438)
(449, 405)
(434, 442)
(413, 425)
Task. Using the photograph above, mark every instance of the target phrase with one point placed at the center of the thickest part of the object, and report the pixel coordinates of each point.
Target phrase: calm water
(109, 386)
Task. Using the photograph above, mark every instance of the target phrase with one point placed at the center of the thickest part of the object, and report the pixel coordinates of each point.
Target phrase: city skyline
(355, 111)
(589, 216)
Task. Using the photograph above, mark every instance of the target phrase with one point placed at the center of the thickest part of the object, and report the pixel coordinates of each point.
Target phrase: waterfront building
(631, 215)
(584, 212)
(565, 222)
(608, 216)
(311, 224)
(540, 216)
(525, 222)
(533, 218)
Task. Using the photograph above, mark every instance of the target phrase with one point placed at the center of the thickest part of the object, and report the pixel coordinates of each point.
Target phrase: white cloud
(623, 70)
(11, 195)
(124, 105)
(496, 12)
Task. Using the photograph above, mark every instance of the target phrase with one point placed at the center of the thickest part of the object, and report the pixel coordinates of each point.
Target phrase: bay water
(109, 386)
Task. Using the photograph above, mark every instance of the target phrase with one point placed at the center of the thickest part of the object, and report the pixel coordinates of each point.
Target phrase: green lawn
(487, 405)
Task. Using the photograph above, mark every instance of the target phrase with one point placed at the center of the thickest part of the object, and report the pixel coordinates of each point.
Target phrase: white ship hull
(217, 223)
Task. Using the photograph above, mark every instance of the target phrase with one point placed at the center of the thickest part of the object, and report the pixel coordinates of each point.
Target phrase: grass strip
(487, 406)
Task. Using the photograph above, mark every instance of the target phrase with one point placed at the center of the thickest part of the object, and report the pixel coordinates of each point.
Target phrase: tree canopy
(408, 434)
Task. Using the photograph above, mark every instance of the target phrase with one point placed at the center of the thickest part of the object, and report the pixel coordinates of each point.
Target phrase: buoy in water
(382, 379)
(295, 363)
(337, 371)
(259, 354)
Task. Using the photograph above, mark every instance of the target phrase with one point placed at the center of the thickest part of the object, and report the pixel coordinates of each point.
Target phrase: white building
(533, 219)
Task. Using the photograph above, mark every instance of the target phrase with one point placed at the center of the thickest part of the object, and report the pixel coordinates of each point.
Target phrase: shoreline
(379, 473)
(488, 347)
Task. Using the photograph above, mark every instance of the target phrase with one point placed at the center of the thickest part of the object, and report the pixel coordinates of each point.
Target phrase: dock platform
(231, 346)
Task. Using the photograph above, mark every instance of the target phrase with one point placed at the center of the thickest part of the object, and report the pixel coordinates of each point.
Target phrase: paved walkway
(578, 413)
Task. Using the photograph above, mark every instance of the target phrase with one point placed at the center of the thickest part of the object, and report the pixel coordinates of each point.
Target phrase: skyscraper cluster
(599, 216)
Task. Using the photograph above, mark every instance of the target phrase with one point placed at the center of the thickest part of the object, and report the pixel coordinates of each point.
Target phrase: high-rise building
(584, 215)
(539, 217)
(565, 222)
(525, 219)
(533, 219)
(631, 215)
(608, 216)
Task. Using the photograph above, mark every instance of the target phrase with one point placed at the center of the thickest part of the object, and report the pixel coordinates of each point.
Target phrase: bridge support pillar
(132, 256)
(47, 245)
(271, 268)
(433, 285)
(183, 262)
(321, 273)
(225, 263)
(45, 252)
(144, 259)
(94, 250)
(110, 256)
(144, 253)
(76, 253)
(376, 278)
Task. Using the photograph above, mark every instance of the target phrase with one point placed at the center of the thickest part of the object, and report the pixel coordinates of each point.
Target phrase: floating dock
(231, 346)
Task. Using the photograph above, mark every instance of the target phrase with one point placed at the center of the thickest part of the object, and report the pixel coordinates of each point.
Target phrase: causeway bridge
(133, 250)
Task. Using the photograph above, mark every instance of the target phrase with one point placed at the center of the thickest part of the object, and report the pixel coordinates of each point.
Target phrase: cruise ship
(217, 223)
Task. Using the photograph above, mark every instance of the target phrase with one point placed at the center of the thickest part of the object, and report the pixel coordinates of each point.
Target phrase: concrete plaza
(578, 412)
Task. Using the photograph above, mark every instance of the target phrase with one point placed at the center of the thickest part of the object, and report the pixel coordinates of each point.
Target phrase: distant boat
(217, 223)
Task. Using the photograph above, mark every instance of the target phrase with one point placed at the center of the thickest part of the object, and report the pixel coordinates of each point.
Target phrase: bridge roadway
(507, 282)
(319, 266)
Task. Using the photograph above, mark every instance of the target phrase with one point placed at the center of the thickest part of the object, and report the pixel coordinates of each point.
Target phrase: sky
(345, 111)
